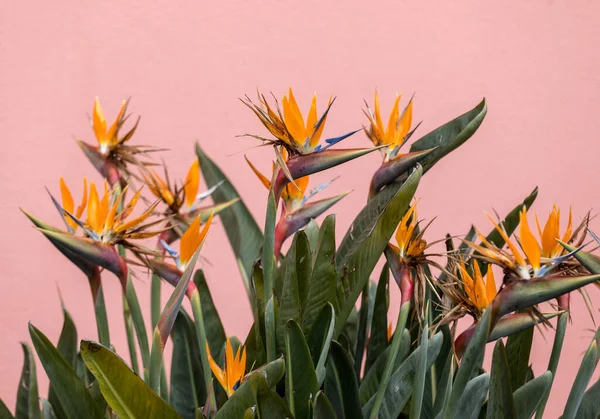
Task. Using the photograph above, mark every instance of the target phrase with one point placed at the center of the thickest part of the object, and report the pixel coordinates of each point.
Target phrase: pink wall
(186, 63)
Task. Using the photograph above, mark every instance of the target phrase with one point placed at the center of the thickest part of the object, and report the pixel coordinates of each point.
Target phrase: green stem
(100, 309)
(559, 337)
(201, 333)
(391, 360)
(164, 390)
(155, 292)
(130, 338)
(138, 323)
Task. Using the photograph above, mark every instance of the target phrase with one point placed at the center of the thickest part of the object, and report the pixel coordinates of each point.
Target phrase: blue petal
(174, 253)
(335, 140)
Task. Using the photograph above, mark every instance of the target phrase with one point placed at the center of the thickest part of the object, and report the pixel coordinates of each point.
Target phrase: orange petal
(192, 183)
(114, 128)
(490, 285)
(530, 246)
(216, 370)
(479, 288)
(377, 112)
(67, 198)
(136, 221)
(84, 198)
(311, 119)
(405, 123)
(93, 210)
(390, 134)
(514, 250)
(229, 366)
(293, 119)
(260, 176)
(98, 122)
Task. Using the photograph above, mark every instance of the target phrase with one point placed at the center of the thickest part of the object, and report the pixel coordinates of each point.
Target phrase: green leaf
(4, 412)
(527, 398)
(47, 410)
(518, 350)
(341, 386)
(450, 135)
(188, 392)
(378, 339)
(323, 279)
(290, 299)
(444, 383)
(71, 392)
(312, 233)
(322, 408)
(590, 403)
(300, 377)
(589, 261)
(584, 375)
(420, 374)
(500, 404)
(470, 363)
(361, 339)
(124, 391)
(372, 379)
(319, 340)
(67, 347)
(400, 385)
(269, 404)
(242, 231)
(367, 238)
(257, 290)
(137, 318)
(215, 332)
(255, 350)
(470, 402)
(27, 394)
(268, 264)
(245, 396)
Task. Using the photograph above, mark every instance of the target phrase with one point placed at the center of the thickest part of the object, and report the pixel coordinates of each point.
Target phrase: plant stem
(559, 337)
(202, 342)
(130, 338)
(100, 309)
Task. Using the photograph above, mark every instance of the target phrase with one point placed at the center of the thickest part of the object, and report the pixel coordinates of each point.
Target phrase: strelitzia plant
(303, 356)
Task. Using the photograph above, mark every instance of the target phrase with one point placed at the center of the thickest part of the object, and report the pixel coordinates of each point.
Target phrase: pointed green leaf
(400, 385)
(242, 231)
(4, 412)
(470, 363)
(366, 240)
(471, 401)
(341, 386)
(589, 261)
(67, 347)
(584, 375)
(501, 404)
(300, 377)
(47, 410)
(378, 339)
(290, 299)
(319, 340)
(124, 391)
(420, 375)
(518, 349)
(323, 279)
(322, 408)
(74, 397)
(589, 407)
(188, 392)
(268, 403)
(450, 135)
(215, 332)
(527, 398)
(27, 395)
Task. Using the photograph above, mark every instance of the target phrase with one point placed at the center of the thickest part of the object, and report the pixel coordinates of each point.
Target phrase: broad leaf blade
(124, 391)
(378, 339)
(322, 408)
(527, 398)
(215, 332)
(27, 395)
(341, 386)
(473, 397)
(450, 136)
(72, 393)
(500, 404)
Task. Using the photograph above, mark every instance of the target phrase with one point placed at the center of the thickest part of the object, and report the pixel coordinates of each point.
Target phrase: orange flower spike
(490, 285)
(311, 128)
(263, 179)
(94, 210)
(468, 282)
(390, 134)
(378, 120)
(192, 239)
(192, 183)
(99, 125)
(293, 118)
(480, 291)
(138, 220)
(216, 370)
(111, 135)
(390, 332)
(67, 199)
(514, 250)
(112, 215)
(530, 246)
(405, 124)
